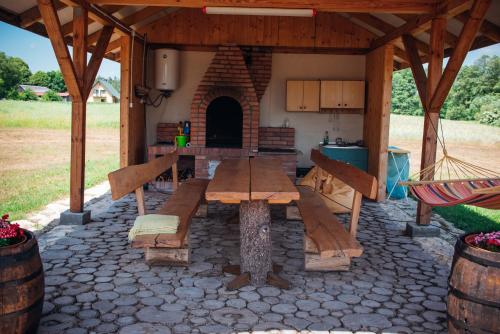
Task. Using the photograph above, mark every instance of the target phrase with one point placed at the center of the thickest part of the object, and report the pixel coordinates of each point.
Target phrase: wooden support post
(141, 205)
(439, 84)
(78, 111)
(431, 121)
(124, 100)
(377, 114)
(356, 208)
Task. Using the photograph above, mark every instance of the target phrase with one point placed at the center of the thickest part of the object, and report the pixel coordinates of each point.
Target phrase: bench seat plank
(183, 203)
(323, 227)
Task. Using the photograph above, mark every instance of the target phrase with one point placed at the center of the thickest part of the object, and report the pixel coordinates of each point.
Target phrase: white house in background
(103, 91)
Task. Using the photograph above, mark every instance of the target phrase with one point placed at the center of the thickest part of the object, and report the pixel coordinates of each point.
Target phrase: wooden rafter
(386, 28)
(416, 66)
(488, 29)
(449, 38)
(32, 15)
(367, 6)
(53, 27)
(465, 41)
(67, 28)
(420, 23)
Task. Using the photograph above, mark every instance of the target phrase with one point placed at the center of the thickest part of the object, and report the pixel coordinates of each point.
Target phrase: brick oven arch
(237, 94)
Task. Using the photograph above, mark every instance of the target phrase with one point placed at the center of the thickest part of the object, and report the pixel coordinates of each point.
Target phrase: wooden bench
(327, 244)
(171, 249)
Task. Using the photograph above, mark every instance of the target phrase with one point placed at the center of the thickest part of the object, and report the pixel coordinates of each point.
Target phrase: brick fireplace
(225, 114)
(227, 76)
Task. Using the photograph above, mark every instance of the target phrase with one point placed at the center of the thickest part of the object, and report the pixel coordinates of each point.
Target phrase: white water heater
(166, 69)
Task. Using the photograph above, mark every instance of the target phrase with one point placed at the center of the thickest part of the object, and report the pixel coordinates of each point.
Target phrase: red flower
(5, 217)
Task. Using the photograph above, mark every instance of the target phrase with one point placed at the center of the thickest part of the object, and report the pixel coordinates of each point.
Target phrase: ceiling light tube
(259, 11)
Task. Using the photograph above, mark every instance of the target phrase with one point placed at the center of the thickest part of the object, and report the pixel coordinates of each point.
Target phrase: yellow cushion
(154, 224)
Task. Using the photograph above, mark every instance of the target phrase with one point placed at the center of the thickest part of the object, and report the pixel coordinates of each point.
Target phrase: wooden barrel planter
(474, 290)
(21, 286)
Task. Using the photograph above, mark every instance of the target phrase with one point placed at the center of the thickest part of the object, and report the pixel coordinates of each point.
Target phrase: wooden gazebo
(393, 34)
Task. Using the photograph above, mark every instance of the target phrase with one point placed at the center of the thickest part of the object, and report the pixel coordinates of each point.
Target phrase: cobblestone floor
(96, 283)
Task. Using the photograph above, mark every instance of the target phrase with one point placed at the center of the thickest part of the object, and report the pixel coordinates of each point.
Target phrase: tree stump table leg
(255, 238)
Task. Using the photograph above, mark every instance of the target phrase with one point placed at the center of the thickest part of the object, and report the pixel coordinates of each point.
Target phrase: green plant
(27, 95)
(490, 113)
(51, 96)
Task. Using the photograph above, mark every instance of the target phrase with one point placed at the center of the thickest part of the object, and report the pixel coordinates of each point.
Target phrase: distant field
(35, 151)
(469, 141)
(55, 115)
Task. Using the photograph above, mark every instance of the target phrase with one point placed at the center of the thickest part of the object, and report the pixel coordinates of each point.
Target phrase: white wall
(178, 106)
(309, 127)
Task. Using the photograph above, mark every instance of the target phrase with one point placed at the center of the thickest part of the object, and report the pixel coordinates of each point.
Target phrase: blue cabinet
(354, 155)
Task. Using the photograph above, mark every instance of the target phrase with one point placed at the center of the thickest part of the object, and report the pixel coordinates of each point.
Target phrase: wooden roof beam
(98, 14)
(449, 38)
(488, 29)
(366, 6)
(32, 15)
(386, 28)
(421, 23)
(67, 28)
(130, 20)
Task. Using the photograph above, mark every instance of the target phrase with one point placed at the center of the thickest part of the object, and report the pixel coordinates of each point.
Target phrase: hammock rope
(459, 182)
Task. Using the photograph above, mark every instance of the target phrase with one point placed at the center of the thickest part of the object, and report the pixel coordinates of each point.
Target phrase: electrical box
(166, 69)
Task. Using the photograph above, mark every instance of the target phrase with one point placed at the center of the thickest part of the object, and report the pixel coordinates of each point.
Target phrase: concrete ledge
(415, 230)
(74, 218)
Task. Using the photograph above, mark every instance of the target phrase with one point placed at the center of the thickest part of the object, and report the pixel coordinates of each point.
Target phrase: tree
(12, 73)
(405, 99)
(51, 96)
(40, 78)
(56, 81)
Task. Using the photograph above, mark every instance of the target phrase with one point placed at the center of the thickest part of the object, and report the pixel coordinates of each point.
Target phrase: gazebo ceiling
(385, 20)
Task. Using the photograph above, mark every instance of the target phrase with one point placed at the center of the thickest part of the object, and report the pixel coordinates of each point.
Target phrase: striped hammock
(459, 182)
(470, 192)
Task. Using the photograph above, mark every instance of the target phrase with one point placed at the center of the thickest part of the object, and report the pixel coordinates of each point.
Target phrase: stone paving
(95, 283)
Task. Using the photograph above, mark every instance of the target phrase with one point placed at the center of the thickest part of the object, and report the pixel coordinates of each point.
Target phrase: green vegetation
(471, 218)
(35, 151)
(475, 95)
(13, 71)
(53, 80)
(26, 191)
(54, 115)
(51, 96)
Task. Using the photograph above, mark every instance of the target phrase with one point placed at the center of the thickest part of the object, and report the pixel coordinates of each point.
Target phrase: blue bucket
(398, 169)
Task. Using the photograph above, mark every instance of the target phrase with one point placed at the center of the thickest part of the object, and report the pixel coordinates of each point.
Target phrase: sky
(37, 52)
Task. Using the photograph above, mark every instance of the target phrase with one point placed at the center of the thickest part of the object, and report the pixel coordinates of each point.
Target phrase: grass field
(469, 141)
(35, 152)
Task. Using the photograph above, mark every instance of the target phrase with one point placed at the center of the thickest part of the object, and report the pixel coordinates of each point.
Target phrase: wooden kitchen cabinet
(331, 94)
(302, 95)
(342, 94)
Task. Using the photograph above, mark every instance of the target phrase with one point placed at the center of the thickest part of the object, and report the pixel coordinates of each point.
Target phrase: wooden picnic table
(254, 183)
